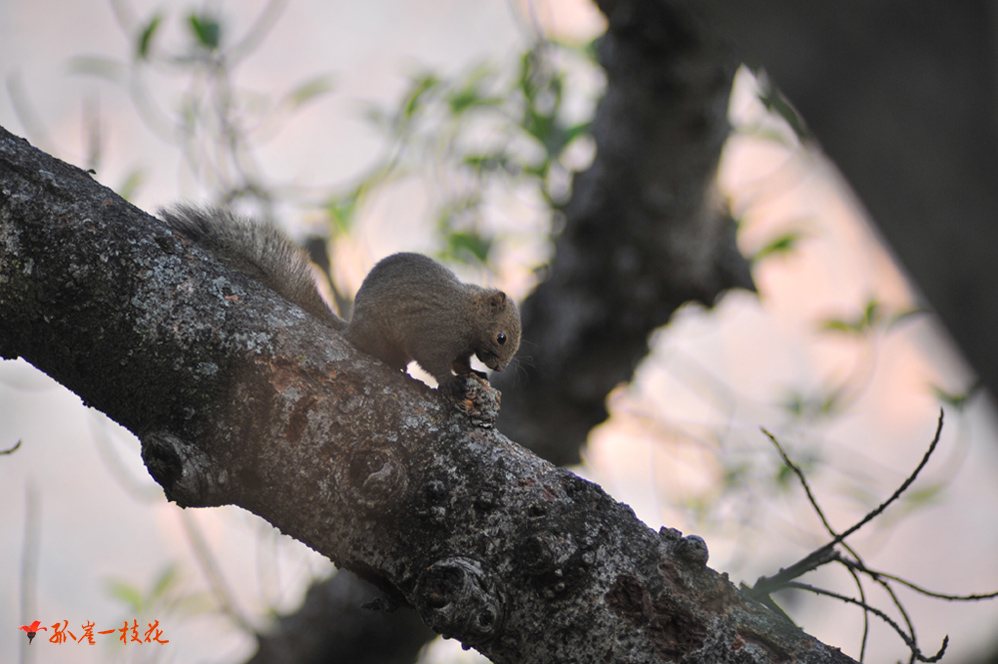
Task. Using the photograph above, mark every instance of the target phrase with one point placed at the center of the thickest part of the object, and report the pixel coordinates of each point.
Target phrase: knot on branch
(546, 551)
(376, 478)
(185, 473)
(692, 550)
(553, 560)
(480, 403)
(458, 599)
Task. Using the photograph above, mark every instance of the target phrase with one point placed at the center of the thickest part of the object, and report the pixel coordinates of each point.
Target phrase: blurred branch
(30, 547)
(642, 232)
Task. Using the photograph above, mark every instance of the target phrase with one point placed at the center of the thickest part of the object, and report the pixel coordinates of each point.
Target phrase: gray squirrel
(409, 307)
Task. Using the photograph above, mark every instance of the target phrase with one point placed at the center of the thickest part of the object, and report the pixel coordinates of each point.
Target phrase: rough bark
(643, 231)
(240, 398)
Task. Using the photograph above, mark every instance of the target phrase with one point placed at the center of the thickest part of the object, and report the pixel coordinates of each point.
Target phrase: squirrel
(409, 307)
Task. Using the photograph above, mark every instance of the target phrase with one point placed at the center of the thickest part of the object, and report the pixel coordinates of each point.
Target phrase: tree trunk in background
(643, 232)
(903, 96)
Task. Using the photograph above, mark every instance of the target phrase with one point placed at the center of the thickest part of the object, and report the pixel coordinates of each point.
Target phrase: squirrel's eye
(501, 338)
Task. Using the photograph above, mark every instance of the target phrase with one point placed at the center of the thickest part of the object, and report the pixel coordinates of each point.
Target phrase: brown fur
(409, 307)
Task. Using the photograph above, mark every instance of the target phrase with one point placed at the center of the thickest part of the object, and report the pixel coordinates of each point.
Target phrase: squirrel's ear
(497, 299)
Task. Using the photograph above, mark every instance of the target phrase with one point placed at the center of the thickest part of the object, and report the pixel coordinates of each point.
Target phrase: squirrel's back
(412, 307)
(401, 297)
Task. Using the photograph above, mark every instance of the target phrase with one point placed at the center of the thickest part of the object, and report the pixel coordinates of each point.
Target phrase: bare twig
(866, 615)
(825, 554)
(901, 489)
(904, 613)
(916, 653)
(852, 564)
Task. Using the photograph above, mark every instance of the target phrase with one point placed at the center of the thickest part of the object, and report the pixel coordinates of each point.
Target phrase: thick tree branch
(239, 397)
(643, 232)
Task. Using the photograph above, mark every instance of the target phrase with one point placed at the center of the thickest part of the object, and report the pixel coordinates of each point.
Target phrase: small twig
(904, 613)
(919, 589)
(825, 554)
(901, 489)
(866, 615)
(916, 653)
(803, 482)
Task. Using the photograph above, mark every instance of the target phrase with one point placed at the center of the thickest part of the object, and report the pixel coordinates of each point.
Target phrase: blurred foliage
(785, 242)
(165, 594)
(490, 128)
(470, 137)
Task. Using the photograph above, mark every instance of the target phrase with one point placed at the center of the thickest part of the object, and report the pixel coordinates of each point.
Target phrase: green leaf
(461, 244)
(490, 162)
(135, 178)
(577, 130)
(207, 30)
(309, 90)
(145, 37)
(928, 495)
(956, 399)
(775, 102)
(814, 406)
(342, 210)
(164, 583)
(469, 94)
(127, 593)
(838, 325)
(872, 315)
(782, 244)
(420, 87)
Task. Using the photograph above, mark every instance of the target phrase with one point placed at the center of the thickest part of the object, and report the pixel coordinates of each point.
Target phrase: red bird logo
(32, 629)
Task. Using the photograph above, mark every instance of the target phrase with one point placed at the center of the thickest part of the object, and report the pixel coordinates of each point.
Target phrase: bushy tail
(259, 250)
